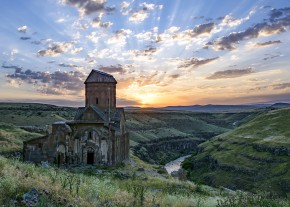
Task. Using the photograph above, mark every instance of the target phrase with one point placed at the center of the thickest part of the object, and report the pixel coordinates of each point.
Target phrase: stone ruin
(96, 136)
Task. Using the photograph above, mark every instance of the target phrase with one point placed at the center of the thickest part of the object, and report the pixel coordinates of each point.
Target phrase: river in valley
(175, 165)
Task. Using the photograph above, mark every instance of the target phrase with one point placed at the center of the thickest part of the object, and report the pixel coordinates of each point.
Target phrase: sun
(147, 99)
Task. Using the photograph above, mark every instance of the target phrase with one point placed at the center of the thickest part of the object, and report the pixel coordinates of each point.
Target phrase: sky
(161, 52)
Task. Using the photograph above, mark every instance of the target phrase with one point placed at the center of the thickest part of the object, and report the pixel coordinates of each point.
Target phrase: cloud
(147, 52)
(119, 38)
(174, 76)
(25, 38)
(281, 86)
(124, 7)
(125, 82)
(125, 102)
(272, 56)
(17, 68)
(203, 28)
(144, 36)
(22, 29)
(57, 83)
(142, 14)
(76, 50)
(186, 37)
(195, 62)
(138, 16)
(279, 22)
(98, 23)
(36, 42)
(67, 65)
(230, 73)
(119, 69)
(269, 43)
(87, 7)
(229, 21)
(55, 49)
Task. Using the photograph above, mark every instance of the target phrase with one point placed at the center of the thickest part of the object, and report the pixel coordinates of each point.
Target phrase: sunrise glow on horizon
(161, 52)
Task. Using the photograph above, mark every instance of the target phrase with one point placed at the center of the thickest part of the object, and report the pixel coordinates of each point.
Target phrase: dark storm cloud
(119, 69)
(57, 82)
(230, 73)
(203, 28)
(278, 22)
(25, 38)
(88, 7)
(268, 43)
(194, 62)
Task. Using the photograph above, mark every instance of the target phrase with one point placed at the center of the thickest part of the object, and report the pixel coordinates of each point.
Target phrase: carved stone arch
(97, 140)
(81, 132)
(91, 156)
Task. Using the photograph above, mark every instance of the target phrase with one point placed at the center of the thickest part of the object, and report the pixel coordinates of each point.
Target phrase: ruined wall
(33, 150)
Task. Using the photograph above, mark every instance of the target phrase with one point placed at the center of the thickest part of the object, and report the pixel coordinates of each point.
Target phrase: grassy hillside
(254, 156)
(28, 114)
(11, 137)
(160, 136)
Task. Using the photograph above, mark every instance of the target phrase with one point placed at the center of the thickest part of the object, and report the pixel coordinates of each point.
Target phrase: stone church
(96, 136)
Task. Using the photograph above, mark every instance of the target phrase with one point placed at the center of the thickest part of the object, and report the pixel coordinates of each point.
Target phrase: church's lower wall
(79, 144)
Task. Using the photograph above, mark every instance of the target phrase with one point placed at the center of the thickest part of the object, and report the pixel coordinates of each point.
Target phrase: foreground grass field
(124, 186)
(136, 184)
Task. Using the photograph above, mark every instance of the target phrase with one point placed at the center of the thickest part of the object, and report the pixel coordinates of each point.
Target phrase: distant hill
(214, 108)
(280, 105)
(32, 114)
(253, 157)
(224, 108)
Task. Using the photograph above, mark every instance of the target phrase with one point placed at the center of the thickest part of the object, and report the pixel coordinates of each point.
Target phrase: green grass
(153, 127)
(32, 114)
(251, 157)
(11, 137)
(89, 188)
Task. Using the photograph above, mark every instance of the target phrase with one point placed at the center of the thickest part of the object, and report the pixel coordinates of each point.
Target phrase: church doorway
(90, 158)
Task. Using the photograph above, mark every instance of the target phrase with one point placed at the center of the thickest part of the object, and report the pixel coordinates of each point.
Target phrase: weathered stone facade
(96, 136)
